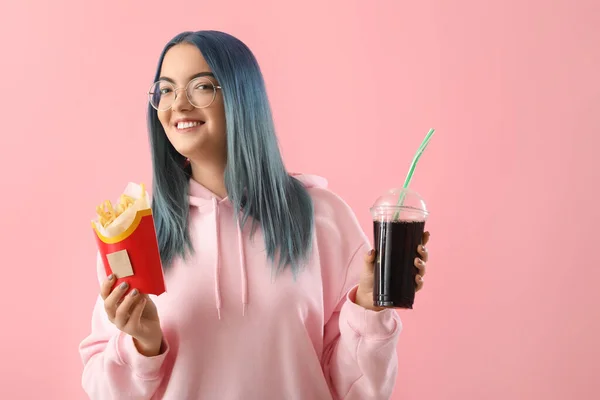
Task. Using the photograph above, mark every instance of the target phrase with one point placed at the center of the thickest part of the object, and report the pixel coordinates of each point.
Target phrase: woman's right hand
(134, 314)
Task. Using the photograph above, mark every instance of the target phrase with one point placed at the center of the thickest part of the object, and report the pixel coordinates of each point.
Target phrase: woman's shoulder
(331, 211)
(325, 201)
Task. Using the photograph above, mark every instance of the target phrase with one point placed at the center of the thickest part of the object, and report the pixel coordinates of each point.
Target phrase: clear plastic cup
(398, 231)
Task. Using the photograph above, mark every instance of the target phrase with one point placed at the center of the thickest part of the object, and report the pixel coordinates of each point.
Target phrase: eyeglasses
(201, 92)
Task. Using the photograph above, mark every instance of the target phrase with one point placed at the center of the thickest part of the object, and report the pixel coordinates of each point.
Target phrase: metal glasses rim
(215, 88)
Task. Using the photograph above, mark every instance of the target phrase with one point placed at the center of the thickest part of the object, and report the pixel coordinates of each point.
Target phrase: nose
(181, 102)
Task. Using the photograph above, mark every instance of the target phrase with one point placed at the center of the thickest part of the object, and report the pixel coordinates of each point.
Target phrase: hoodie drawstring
(244, 272)
(243, 268)
(217, 259)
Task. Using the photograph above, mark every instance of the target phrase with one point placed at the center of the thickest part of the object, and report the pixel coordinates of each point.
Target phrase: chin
(187, 147)
(197, 144)
(188, 151)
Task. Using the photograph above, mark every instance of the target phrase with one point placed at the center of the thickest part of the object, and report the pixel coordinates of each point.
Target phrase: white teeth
(185, 125)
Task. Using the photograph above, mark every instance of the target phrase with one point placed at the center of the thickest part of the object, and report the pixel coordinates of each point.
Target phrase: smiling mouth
(188, 125)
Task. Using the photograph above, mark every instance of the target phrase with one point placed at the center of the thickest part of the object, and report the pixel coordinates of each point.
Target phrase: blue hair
(256, 180)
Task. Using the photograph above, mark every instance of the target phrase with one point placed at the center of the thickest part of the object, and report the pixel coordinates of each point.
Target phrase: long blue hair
(256, 180)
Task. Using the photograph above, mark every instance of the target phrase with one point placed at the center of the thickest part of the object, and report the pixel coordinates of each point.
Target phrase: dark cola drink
(396, 243)
(399, 218)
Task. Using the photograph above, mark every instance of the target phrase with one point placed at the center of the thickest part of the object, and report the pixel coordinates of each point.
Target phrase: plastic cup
(398, 231)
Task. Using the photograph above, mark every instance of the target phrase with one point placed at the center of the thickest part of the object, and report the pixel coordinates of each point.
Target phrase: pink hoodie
(233, 331)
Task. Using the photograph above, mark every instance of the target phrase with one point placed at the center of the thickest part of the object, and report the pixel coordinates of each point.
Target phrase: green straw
(411, 170)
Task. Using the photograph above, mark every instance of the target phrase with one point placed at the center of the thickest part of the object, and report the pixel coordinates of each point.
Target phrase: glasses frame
(187, 94)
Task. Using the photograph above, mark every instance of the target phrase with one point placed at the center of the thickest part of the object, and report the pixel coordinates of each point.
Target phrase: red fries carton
(126, 239)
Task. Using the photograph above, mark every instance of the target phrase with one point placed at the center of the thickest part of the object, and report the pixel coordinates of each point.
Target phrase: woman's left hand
(364, 294)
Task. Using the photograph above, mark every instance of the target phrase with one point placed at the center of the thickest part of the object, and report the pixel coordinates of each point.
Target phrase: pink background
(509, 309)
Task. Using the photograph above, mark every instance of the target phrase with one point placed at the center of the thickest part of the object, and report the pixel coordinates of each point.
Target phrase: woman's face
(196, 133)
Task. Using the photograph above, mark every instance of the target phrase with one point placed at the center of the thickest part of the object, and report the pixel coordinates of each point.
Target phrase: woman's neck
(211, 176)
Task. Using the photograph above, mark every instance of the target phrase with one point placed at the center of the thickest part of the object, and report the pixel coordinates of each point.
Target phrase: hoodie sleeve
(112, 366)
(359, 358)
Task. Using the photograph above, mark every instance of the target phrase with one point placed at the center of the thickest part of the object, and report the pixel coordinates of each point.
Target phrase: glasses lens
(161, 95)
(201, 92)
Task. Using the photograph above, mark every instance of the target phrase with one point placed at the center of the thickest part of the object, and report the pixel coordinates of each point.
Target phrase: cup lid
(405, 204)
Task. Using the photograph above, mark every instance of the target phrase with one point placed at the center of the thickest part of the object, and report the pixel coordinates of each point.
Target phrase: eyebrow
(198, 75)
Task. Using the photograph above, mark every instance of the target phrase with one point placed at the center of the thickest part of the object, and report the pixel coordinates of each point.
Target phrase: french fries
(107, 213)
(126, 239)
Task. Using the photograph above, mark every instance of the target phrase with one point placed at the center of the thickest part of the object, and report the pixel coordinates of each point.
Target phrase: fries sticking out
(107, 213)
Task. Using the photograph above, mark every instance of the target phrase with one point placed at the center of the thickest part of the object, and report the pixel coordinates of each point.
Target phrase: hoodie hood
(207, 201)
(200, 196)
(311, 181)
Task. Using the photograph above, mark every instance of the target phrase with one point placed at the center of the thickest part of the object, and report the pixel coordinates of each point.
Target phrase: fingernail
(134, 292)
(371, 252)
(123, 285)
(423, 249)
(110, 277)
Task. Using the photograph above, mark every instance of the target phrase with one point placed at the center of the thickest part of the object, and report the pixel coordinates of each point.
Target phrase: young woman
(269, 275)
